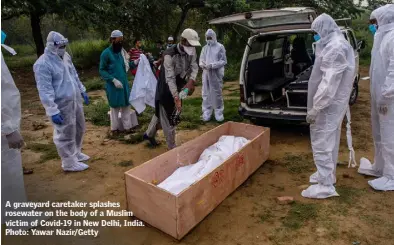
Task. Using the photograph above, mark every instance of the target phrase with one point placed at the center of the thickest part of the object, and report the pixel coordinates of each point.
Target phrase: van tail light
(242, 93)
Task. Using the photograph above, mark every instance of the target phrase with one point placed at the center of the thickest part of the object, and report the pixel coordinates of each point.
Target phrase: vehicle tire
(354, 94)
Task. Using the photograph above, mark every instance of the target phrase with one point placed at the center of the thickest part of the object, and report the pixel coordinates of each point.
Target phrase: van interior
(278, 70)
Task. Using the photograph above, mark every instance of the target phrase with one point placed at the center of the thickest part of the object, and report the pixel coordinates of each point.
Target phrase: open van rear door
(271, 20)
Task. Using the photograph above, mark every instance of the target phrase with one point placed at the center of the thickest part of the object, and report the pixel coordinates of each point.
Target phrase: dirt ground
(249, 216)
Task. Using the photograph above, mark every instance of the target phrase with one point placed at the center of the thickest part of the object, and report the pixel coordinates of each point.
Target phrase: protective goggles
(61, 42)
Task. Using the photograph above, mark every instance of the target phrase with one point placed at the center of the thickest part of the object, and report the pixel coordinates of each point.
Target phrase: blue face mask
(372, 28)
(316, 37)
(3, 36)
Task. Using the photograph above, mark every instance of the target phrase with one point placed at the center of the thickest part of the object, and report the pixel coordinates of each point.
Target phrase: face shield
(58, 44)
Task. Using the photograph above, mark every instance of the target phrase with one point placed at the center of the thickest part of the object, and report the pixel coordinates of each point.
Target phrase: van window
(257, 50)
(275, 48)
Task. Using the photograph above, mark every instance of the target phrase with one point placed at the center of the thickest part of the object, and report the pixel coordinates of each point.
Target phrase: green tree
(36, 9)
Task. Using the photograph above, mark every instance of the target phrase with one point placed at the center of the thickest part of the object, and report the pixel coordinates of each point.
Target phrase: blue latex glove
(85, 98)
(57, 119)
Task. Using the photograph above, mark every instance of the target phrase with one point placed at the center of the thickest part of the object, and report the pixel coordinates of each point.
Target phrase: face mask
(189, 50)
(117, 47)
(61, 51)
(316, 37)
(3, 37)
(373, 28)
(209, 42)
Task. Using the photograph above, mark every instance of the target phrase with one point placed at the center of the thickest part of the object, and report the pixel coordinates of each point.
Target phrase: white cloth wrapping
(143, 91)
(211, 158)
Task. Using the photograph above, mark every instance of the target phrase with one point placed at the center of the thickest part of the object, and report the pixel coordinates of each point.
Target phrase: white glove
(383, 109)
(136, 62)
(311, 116)
(117, 83)
(209, 67)
(382, 105)
(203, 66)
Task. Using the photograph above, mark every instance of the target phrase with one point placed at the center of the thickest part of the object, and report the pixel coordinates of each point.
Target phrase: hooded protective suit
(329, 90)
(12, 184)
(382, 101)
(60, 92)
(212, 61)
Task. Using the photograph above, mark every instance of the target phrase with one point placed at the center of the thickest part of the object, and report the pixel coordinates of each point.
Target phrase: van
(278, 61)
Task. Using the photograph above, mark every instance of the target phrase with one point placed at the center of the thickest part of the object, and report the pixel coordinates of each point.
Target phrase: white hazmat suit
(382, 102)
(60, 92)
(212, 61)
(12, 183)
(329, 90)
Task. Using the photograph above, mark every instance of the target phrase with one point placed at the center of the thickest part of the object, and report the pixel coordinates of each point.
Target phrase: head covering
(55, 40)
(385, 15)
(116, 33)
(170, 38)
(324, 25)
(191, 36)
(212, 34)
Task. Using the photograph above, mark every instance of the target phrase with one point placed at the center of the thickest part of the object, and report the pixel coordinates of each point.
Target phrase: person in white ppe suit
(382, 102)
(61, 93)
(12, 183)
(329, 90)
(212, 61)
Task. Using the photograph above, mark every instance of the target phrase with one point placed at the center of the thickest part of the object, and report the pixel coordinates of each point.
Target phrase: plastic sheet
(210, 159)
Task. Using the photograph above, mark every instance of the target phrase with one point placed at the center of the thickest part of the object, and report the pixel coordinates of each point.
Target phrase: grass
(18, 61)
(48, 151)
(266, 216)
(97, 113)
(233, 94)
(95, 83)
(232, 69)
(348, 195)
(85, 54)
(299, 214)
(297, 164)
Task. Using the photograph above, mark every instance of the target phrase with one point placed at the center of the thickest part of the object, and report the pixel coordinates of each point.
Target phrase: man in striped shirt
(136, 52)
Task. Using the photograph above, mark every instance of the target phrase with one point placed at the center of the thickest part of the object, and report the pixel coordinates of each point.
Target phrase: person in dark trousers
(179, 70)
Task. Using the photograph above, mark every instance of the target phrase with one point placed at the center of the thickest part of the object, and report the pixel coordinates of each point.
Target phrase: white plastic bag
(143, 91)
(211, 158)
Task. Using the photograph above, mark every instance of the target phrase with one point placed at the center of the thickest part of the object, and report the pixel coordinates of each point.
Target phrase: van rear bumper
(253, 115)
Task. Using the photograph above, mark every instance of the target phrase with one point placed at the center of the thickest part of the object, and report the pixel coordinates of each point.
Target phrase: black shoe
(152, 141)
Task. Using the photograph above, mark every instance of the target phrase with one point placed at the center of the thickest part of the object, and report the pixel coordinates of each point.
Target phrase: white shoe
(366, 168)
(206, 118)
(74, 166)
(313, 179)
(320, 192)
(82, 157)
(219, 118)
(382, 184)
